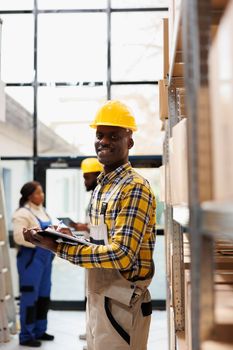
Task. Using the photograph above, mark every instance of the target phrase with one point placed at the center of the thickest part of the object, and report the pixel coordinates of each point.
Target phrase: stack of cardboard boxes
(174, 172)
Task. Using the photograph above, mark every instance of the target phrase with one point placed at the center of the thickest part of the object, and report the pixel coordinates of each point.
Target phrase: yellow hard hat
(91, 165)
(115, 113)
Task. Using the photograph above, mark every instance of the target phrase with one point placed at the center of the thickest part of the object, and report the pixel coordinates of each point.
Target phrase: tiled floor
(67, 325)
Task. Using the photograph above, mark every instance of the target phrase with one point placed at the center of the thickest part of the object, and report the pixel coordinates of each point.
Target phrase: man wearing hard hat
(91, 168)
(119, 262)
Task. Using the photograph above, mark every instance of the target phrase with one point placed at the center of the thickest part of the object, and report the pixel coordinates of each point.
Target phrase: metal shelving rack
(7, 302)
(204, 220)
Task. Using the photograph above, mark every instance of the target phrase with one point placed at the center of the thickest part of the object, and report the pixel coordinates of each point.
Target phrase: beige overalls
(118, 311)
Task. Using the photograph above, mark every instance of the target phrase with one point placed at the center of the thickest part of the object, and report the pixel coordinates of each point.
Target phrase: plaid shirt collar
(114, 176)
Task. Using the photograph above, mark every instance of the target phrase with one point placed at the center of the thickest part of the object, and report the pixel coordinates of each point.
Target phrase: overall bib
(34, 268)
(118, 310)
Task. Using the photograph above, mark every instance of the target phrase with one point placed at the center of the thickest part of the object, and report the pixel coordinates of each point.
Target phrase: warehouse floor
(67, 325)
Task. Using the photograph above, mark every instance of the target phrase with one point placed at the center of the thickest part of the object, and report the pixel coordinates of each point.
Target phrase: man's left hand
(31, 235)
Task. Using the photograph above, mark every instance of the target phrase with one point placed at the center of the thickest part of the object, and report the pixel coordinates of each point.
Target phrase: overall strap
(104, 204)
(48, 222)
(111, 193)
(117, 187)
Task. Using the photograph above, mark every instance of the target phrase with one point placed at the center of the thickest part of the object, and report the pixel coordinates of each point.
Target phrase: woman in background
(34, 267)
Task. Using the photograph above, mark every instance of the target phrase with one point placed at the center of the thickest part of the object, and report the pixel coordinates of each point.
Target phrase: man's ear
(131, 143)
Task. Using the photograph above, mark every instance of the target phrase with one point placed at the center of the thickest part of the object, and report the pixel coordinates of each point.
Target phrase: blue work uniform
(34, 267)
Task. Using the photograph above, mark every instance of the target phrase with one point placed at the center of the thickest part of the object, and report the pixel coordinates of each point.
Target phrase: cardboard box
(223, 307)
(179, 171)
(163, 99)
(221, 103)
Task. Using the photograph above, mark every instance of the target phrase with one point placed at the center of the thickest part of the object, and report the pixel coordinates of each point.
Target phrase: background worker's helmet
(91, 165)
(115, 113)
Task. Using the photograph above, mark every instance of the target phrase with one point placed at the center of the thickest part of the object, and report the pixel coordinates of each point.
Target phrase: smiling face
(112, 146)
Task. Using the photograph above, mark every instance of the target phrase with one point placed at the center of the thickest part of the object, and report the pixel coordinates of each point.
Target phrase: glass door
(66, 197)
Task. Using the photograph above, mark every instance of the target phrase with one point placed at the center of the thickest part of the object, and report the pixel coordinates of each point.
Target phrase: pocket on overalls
(146, 308)
(117, 287)
(120, 317)
(146, 305)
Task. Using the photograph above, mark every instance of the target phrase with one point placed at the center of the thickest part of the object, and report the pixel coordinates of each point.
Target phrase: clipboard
(67, 221)
(65, 238)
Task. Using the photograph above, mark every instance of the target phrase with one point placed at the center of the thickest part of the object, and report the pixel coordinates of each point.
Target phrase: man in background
(91, 168)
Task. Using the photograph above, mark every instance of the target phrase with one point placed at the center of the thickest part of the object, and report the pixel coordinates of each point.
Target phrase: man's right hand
(81, 227)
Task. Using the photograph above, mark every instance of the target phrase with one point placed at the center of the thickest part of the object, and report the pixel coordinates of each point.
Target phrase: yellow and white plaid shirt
(130, 219)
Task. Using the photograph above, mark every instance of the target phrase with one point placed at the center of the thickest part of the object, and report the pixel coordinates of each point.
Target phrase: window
(17, 48)
(72, 47)
(143, 101)
(16, 5)
(71, 4)
(136, 46)
(139, 3)
(68, 111)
